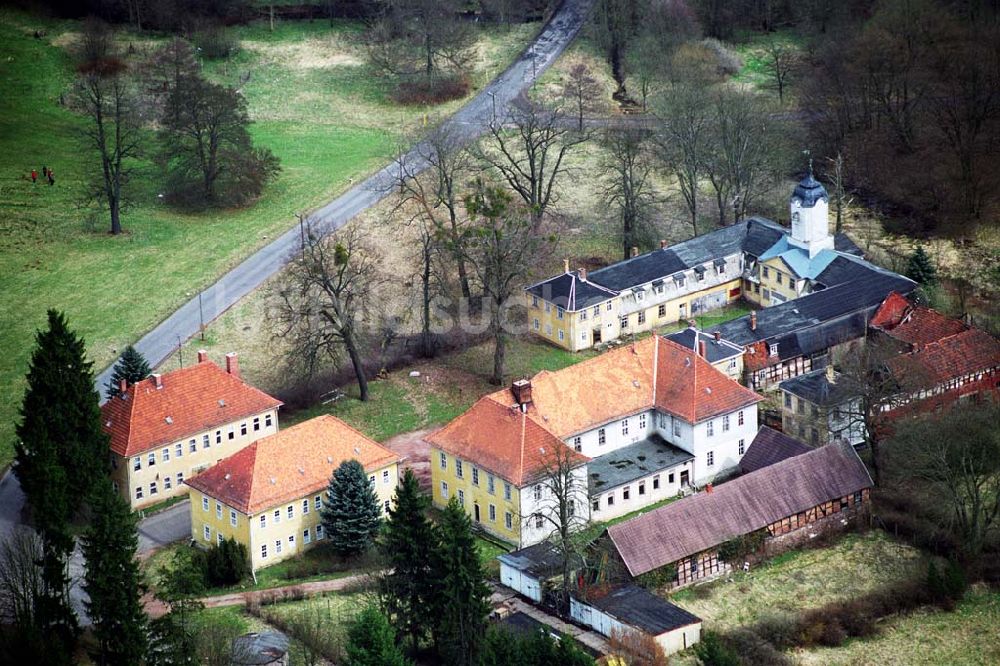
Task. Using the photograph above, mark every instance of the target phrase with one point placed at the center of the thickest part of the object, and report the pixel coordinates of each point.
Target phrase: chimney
(635, 251)
(831, 376)
(565, 265)
(122, 387)
(583, 274)
(701, 349)
(522, 392)
(157, 380)
(718, 336)
(233, 365)
(202, 355)
(663, 244)
(753, 320)
(708, 488)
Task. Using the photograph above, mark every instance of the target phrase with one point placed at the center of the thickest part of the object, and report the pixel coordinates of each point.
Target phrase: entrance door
(596, 334)
(682, 311)
(475, 508)
(685, 478)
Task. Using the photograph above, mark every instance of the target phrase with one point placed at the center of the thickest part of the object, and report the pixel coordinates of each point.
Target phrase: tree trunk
(425, 342)
(499, 349)
(356, 361)
(116, 223)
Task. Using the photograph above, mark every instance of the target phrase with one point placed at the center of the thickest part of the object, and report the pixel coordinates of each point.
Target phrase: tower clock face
(795, 218)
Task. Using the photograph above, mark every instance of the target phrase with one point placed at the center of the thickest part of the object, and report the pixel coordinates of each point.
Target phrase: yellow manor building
(169, 427)
(269, 495)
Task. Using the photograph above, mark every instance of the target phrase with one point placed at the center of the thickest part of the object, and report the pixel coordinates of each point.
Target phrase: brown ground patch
(415, 451)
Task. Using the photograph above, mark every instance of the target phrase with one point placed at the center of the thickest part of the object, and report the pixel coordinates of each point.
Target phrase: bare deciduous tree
(627, 167)
(684, 141)
(320, 304)
(636, 648)
(582, 91)
(836, 175)
(781, 60)
(528, 149)
(21, 582)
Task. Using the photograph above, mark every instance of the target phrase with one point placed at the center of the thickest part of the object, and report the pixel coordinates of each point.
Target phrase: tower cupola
(810, 207)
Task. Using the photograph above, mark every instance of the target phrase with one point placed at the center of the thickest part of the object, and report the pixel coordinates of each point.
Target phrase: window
(538, 492)
(662, 311)
(534, 301)
(243, 429)
(178, 450)
(152, 487)
(814, 435)
(535, 324)
(277, 516)
(461, 497)
(192, 446)
(739, 417)
(560, 312)
(267, 422)
(277, 546)
(767, 273)
(583, 315)
(138, 492)
(601, 437)
(732, 364)
(385, 476)
(256, 423)
(508, 520)
(642, 421)
(318, 502)
(561, 334)
(305, 507)
(836, 413)
(743, 446)
(595, 505)
(263, 551)
(180, 478)
(725, 423)
(232, 518)
(444, 461)
(319, 532)
(458, 469)
(475, 476)
(206, 532)
(548, 308)
(611, 499)
(539, 521)
(778, 276)
(167, 482)
(710, 458)
(626, 493)
(802, 406)
(815, 410)
(218, 510)
(232, 432)
(624, 426)
(291, 541)
(263, 520)
(858, 497)
(642, 487)
(680, 282)
(493, 514)
(788, 400)
(677, 428)
(444, 489)
(136, 464)
(624, 319)
(291, 511)
(578, 444)
(710, 428)
(720, 269)
(306, 536)
(670, 478)
(656, 482)
(506, 491)
(774, 349)
(642, 317)
(218, 538)
(490, 484)
(609, 306)
(151, 460)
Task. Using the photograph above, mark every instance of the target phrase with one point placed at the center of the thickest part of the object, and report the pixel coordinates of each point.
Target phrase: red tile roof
(968, 352)
(654, 372)
(289, 465)
(502, 439)
(743, 505)
(191, 400)
(913, 324)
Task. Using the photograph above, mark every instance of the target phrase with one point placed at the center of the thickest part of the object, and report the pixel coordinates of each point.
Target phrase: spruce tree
(408, 544)
(462, 600)
(352, 514)
(920, 269)
(131, 366)
(371, 641)
(113, 580)
(62, 453)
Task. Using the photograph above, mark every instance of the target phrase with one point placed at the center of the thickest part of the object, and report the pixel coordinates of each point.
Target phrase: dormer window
(534, 301)
(560, 312)
(774, 349)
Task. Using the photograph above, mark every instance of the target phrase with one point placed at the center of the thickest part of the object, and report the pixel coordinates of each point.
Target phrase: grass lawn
(315, 105)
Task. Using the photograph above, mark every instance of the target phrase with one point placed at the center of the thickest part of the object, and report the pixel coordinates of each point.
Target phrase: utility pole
(201, 317)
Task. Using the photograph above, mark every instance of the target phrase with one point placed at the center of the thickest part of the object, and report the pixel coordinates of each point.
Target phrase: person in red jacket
(34, 176)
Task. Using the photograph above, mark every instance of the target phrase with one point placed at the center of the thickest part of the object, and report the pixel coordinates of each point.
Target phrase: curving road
(468, 123)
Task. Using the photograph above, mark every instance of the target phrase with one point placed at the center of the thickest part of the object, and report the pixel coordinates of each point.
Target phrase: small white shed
(632, 608)
(525, 571)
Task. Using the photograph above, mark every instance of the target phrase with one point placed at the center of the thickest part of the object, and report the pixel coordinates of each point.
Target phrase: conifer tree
(920, 269)
(462, 600)
(113, 580)
(371, 641)
(408, 545)
(62, 453)
(352, 514)
(131, 366)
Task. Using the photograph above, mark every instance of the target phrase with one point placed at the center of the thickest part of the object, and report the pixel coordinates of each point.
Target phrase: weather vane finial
(808, 154)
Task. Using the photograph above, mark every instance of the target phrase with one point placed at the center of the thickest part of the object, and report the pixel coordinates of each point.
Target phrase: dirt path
(416, 453)
(156, 608)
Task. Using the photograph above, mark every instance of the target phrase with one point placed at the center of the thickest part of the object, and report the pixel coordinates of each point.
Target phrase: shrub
(754, 650)
(727, 63)
(947, 587)
(737, 549)
(215, 43)
(658, 578)
(225, 564)
(712, 651)
(778, 630)
(431, 91)
(833, 633)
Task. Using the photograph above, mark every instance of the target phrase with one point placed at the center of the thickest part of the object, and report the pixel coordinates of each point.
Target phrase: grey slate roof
(816, 388)
(541, 560)
(633, 462)
(761, 235)
(809, 191)
(569, 292)
(743, 505)
(259, 649)
(715, 351)
(769, 447)
(640, 608)
(639, 270)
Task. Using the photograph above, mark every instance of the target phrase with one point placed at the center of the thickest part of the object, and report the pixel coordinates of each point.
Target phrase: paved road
(167, 526)
(468, 123)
